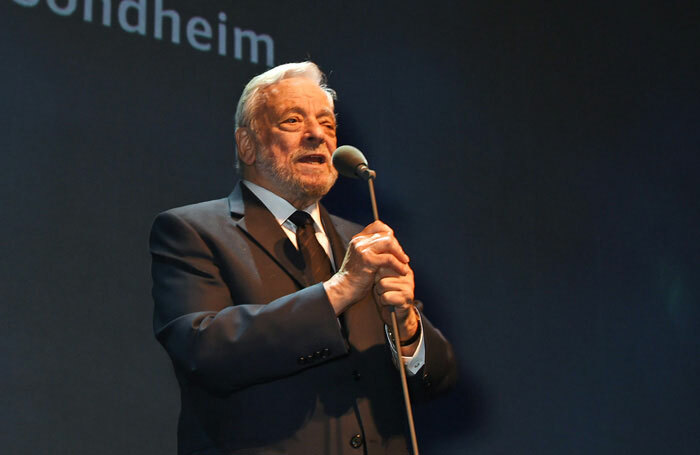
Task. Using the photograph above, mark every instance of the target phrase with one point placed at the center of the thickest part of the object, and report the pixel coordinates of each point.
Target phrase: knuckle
(395, 244)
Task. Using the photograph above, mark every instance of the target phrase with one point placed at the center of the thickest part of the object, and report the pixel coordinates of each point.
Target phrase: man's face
(295, 130)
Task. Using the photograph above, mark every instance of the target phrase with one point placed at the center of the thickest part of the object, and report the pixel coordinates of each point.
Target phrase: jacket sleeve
(224, 344)
(439, 374)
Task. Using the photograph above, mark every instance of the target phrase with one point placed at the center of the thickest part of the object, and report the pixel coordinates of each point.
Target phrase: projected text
(133, 17)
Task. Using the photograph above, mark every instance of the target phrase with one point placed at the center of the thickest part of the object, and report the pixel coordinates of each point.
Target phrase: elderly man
(274, 312)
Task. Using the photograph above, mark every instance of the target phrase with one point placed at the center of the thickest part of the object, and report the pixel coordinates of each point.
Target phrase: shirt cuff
(414, 362)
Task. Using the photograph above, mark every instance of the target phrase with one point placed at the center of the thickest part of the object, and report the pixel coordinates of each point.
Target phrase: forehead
(296, 93)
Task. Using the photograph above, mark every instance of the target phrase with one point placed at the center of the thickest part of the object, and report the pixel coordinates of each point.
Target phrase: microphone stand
(397, 339)
(370, 182)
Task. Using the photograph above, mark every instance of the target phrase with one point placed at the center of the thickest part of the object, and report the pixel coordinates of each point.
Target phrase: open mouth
(313, 158)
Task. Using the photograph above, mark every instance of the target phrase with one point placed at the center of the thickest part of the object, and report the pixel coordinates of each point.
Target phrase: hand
(395, 291)
(373, 248)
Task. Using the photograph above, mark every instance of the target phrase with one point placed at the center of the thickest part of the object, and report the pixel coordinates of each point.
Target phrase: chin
(318, 189)
(318, 186)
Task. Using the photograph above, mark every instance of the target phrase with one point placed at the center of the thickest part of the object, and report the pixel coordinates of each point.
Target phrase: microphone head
(349, 161)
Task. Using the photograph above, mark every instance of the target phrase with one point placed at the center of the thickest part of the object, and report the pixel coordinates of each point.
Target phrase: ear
(245, 143)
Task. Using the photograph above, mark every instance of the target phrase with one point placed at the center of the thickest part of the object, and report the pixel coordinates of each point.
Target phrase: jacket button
(301, 360)
(310, 358)
(356, 374)
(356, 441)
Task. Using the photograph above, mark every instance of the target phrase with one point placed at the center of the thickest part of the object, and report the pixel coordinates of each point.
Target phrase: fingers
(394, 290)
(396, 294)
(385, 272)
(378, 238)
(373, 254)
(394, 297)
(376, 227)
(386, 261)
(397, 299)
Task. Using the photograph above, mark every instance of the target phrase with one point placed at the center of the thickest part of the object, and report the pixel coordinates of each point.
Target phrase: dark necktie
(317, 265)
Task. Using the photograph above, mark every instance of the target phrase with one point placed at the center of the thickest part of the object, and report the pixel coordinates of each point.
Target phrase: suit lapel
(262, 227)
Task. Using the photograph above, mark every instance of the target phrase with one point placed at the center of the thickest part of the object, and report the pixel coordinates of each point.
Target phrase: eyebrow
(326, 111)
(323, 112)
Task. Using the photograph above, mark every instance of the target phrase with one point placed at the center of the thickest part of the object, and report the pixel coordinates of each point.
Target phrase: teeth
(312, 159)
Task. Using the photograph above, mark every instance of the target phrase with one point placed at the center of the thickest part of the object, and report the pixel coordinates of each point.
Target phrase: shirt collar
(280, 208)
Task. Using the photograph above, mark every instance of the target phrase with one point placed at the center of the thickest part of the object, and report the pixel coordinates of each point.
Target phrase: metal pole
(373, 198)
(397, 344)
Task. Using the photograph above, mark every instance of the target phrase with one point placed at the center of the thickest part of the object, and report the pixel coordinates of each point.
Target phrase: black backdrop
(538, 160)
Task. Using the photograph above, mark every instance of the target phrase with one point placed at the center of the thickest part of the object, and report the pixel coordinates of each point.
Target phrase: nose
(313, 134)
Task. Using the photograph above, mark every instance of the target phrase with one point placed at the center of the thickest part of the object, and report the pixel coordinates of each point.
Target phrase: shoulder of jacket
(199, 212)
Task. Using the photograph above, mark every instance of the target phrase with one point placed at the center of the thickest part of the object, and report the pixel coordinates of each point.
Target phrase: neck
(298, 201)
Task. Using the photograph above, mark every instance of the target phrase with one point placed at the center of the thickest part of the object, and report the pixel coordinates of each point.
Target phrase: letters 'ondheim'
(131, 15)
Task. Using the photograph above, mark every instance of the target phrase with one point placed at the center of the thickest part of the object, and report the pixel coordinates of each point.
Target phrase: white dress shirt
(281, 209)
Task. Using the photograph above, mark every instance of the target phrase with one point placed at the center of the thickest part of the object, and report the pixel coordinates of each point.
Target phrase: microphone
(350, 162)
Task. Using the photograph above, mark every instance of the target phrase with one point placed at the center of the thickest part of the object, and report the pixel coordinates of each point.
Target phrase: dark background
(538, 160)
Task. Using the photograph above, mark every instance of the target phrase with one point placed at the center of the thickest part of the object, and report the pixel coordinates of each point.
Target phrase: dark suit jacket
(263, 364)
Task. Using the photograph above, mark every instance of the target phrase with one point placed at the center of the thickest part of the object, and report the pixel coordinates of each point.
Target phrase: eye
(291, 120)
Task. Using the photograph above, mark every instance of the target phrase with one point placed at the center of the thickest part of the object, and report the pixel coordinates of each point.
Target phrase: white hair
(250, 100)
